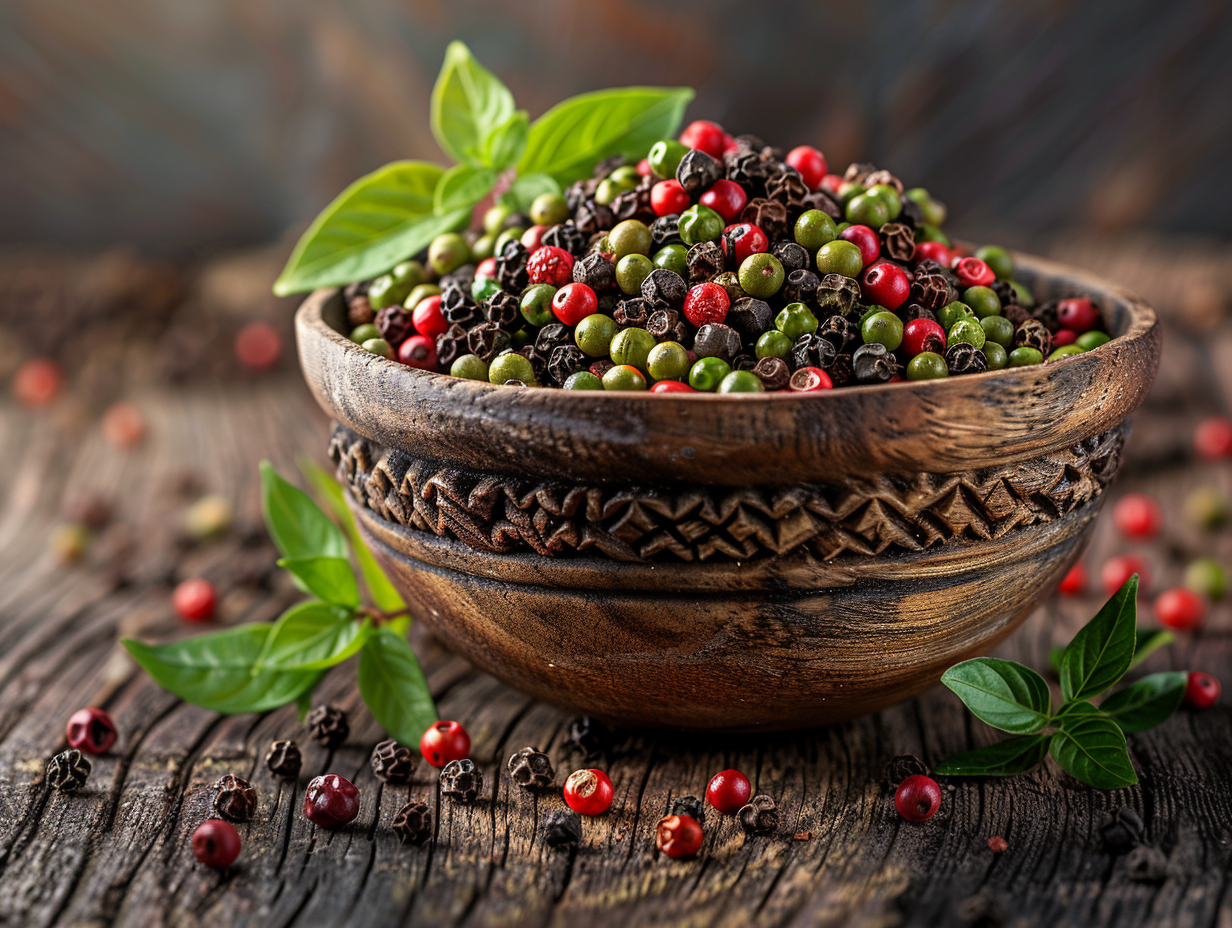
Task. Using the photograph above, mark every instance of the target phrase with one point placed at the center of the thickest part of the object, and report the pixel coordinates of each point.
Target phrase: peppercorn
(768, 215)
(839, 257)
(791, 256)
(582, 380)
(236, 799)
(1201, 690)
(503, 310)
(194, 600)
(663, 289)
(668, 361)
(595, 271)
(1022, 357)
(486, 341)
(563, 830)
(566, 236)
(698, 171)
(966, 331)
(461, 780)
(837, 294)
(773, 344)
(930, 289)
(216, 844)
(759, 816)
(773, 372)
(715, 340)
(531, 768)
(450, 345)
(742, 239)
(874, 363)
(413, 823)
(1207, 576)
(393, 762)
(328, 725)
(588, 792)
(964, 358)
(601, 367)
(1033, 334)
(794, 320)
(90, 730)
(761, 275)
(665, 231)
(68, 771)
(699, 224)
(918, 798)
(898, 241)
(996, 356)
(741, 381)
(902, 766)
(813, 229)
(691, 806)
(330, 801)
(624, 377)
(592, 216)
(665, 156)
(1180, 608)
(983, 301)
(882, 328)
(707, 373)
(927, 365)
(998, 330)
(811, 350)
(284, 759)
(1091, 340)
(678, 836)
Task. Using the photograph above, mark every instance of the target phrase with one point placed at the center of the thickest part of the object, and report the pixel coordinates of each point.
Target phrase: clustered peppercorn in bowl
(818, 518)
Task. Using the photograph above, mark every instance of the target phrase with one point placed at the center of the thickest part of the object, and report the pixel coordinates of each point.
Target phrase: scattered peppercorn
(461, 780)
(1201, 690)
(691, 806)
(678, 836)
(236, 799)
(588, 735)
(194, 600)
(531, 768)
(1180, 608)
(997, 844)
(728, 791)
(393, 762)
(563, 830)
(759, 816)
(918, 798)
(68, 771)
(328, 726)
(91, 730)
(1137, 516)
(330, 800)
(284, 759)
(413, 823)
(216, 843)
(1117, 570)
(588, 792)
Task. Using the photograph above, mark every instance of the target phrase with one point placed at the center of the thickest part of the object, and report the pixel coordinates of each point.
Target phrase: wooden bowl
(731, 561)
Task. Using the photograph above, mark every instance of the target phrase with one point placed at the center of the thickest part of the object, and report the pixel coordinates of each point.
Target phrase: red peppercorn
(707, 302)
(1117, 570)
(972, 272)
(671, 386)
(831, 183)
(668, 197)
(997, 844)
(810, 163)
(742, 239)
(1077, 313)
(486, 268)
(194, 600)
(644, 169)
(550, 265)
(427, 318)
(574, 302)
(216, 843)
(725, 197)
(918, 798)
(1213, 439)
(931, 251)
(1075, 582)
(419, 352)
(923, 335)
(728, 790)
(864, 238)
(123, 425)
(809, 380)
(532, 238)
(707, 136)
(258, 346)
(589, 792)
(1180, 608)
(1064, 337)
(1137, 516)
(90, 730)
(886, 285)
(331, 800)
(37, 383)
(443, 742)
(678, 836)
(1201, 690)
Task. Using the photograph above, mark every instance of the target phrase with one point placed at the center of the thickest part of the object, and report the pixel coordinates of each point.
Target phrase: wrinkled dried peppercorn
(911, 216)
(631, 313)
(838, 294)
(705, 261)
(916, 311)
(463, 314)
(461, 780)
(903, 766)
(898, 241)
(750, 317)
(819, 199)
(1046, 313)
(773, 374)
(284, 759)
(453, 294)
(873, 363)
(716, 340)
(394, 324)
(768, 215)
(565, 360)
(236, 800)
(884, 177)
(552, 336)
(413, 823)
(801, 287)
(748, 168)
(744, 362)
(730, 282)
(840, 370)
(811, 350)
(511, 271)
(563, 830)
(359, 311)
(666, 231)
(962, 358)
(929, 289)
(1004, 291)
(531, 768)
(486, 341)
(698, 171)
(840, 332)
(1033, 334)
(328, 725)
(503, 310)
(664, 289)
(588, 735)
(393, 762)
(793, 257)
(786, 186)
(567, 236)
(462, 278)
(68, 771)
(591, 217)
(691, 806)
(595, 271)
(666, 326)
(1016, 314)
(450, 344)
(858, 171)
(579, 191)
(634, 204)
(759, 816)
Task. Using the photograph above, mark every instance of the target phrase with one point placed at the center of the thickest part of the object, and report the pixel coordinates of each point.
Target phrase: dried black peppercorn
(454, 294)
(503, 310)
(1046, 313)
(873, 363)
(730, 282)
(393, 762)
(634, 204)
(588, 735)
(898, 241)
(883, 177)
(744, 362)
(511, 267)
(759, 816)
(632, 312)
(596, 271)
(962, 358)
(563, 830)
(751, 318)
(716, 340)
(698, 171)
(1123, 832)
(665, 231)
(284, 759)
(691, 806)
(328, 725)
(858, 171)
(705, 261)
(486, 341)
(787, 187)
(1033, 334)
(450, 344)
(359, 311)
(1147, 864)
(819, 199)
(601, 367)
(68, 771)
(840, 370)
(666, 326)
(801, 287)
(461, 780)
(551, 336)
(394, 324)
(748, 169)
(591, 217)
(413, 823)
(565, 360)
(837, 294)
(236, 800)
(462, 278)
(793, 257)
(1004, 291)
(902, 766)
(568, 236)
(1016, 314)
(911, 216)
(841, 332)
(578, 192)
(930, 289)
(664, 289)
(811, 350)
(464, 314)
(773, 373)
(768, 215)
(916, 311)
(531, 768)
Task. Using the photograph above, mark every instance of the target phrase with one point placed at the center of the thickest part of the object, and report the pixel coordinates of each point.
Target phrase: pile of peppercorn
(715, 264)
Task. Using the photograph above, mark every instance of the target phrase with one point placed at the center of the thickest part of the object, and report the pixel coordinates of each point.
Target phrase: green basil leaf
(393, 686)
(468, 103)
(383, 218)
(1004, 759)
(1054, 659)
(522, 192)
(1004, 694)
(1146, 702)
(1091, 746)
(462, 187)
(504, 146)
(303, 702)
(1102, 651)
(1148, 641)
(383, 594)
(297, 525)
(327, 578)
(215, 670)
(313, 636)
(572, 137)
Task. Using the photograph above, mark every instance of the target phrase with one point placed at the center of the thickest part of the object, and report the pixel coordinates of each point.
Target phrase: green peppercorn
(983, 301)
(624, 377)
(869, 311)
(631, 346)
(998, 329)
(998, 260)
(582, 380)
(889, 197)
(536, 304)
(1206, 507)
(626, 174)
(409, 274)
(509, 365)
(951, 313)
(548, 209)
(512, 234)
(483, 248)
(484, 288)
(968, 331)
(813, 229)
(631, 237)
(1065, 351)
(1022, 295)
(840, 226)
(385, 291)
(868, 211)
(1207, 576)
(996, 356)
(699, 224)
(848, 191)
(495, 218)
(674, 258)
(470, 367)
(926, 232)
(362, 333)
(741, 382)
(1025, 357)
(774, 344)
(664, 157)
(447, 253)
(932, 210)
(707, 373)
(883, 328)
(631, 270)
(378, 346)
(927, 365)
(520, 339)
(840, 257)
(1088, 340)
(761, 275)
(794, 320)
(594, 335)
(422, 292)
(615, 184)
(667, 361)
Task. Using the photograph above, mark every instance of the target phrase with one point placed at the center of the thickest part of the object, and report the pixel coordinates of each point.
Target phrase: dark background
(186, 126)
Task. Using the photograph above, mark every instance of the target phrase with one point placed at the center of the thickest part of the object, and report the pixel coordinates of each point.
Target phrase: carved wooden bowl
(731, 561)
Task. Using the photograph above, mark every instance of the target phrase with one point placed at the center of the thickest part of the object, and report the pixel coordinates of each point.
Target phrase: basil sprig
(393, 213)
(1086, 740)
(260, 666)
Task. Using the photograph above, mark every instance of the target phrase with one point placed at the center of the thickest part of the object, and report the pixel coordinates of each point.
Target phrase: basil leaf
(504, 146)
(216, 670)
(303, 703)
(462, 187)
(381, 219)
(1091, 746)
(522, 192)
(1054, 659)
(393, 686)
(1147, 642)
(1102, 651)
(1004, 759)
(327, 578)
(572, 137)
(1004, 694)
(468, 103)
(313, 636)
(297, 525)
(1146, 702)
(383, 594)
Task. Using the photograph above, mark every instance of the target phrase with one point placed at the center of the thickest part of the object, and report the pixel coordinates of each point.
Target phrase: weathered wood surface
(118, 853)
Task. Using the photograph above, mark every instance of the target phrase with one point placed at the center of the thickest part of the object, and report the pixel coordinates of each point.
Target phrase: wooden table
(118, 853)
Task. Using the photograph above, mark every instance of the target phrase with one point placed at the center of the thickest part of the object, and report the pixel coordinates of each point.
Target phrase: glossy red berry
(418, 351)
(532, 238)
(1064, 337)
(810, 163)
(216, 843)
(1078, 313)
(678, 836)
(741, 240)
(1117, 570)
(728, 790)
(864, 238)
(194, 600)
(671, 386)
(574, 302)
(331, 800)
(1075, 582)
(932, 251)
(809, 380)
(972, 272)
(886, 285)
(644, 169)
(831, 183)
(667, 197)
(37, 383)
(1201, 690)
(918, 798)
(1137, 516)
(707, 302)
(1180, 608)
(90, 730)
(725, 197)
(589, 792)
(428, 318)
(443, 742)
(550, 265)
(923, 335)
(1213, 439)
(707, 136)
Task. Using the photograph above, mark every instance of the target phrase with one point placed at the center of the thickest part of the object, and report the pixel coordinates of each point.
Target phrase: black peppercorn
(284, 759)
(393, 762)
(328, 725)
(577, 193)
(840, 370)
(503, 310)
(873, 363)
(68, 771)
(819, 199)
(394, 324)
(568, 236)
(768, 215)
(962, 358)
(413, 823)
(1033, 334)
(730, 282)
(563, 361)
(664, 289)
(793, 257)
(1046, 313)
(930, 289)
(1004, 291)
(486, 341)
(751, 318)
(716, 340)
(461, 780)
(801, 287)
(858, 171)
(236, 800)
(811, 350)
(596, 271)
(464, 314)
(359, 311)
(666, 231)
(787, 187)
(588, 735)
(631, 313)
(450, 344)
(759, 816)
(634, 204)
(592, 217)
(837, 294)
(666, 326)
(841, 332)
(883, 177)
(698, 171)
(748, 169)
(454, 295)
(511, 267)
(773, 373)
(691, 806)
(531, 768)
(902, 766)
(1016, 314)
(552, 336)
(563, 830)
(705, 261)
(916, 311)
(463, 278)
(898, 241)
